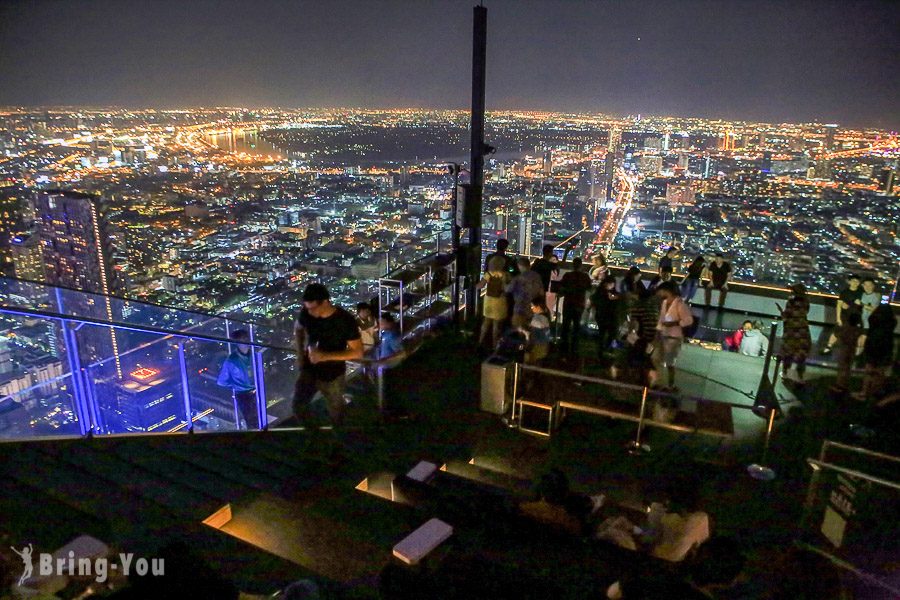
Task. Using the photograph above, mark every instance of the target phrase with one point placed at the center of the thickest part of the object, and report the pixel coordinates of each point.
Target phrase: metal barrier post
(259, 379)
(636, 447)
(185, 391)
(379, 376)
(234, 402)
(512, 422)
(759, 470)
(79, 388)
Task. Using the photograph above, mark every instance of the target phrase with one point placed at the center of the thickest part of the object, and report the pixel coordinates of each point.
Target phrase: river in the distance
(247, 141)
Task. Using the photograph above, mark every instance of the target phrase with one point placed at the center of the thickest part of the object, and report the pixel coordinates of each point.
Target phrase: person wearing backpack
(674, 318)
(496, 310)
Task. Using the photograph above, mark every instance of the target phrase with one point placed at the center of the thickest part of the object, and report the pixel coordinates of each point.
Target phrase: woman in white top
(598, 273)
(598, 269)
(674, 316)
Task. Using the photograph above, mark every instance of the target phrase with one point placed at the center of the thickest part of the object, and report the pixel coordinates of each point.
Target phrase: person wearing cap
(326, 336)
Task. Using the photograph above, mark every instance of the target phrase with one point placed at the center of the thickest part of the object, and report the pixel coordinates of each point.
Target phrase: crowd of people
(640, 326)
(647, 320)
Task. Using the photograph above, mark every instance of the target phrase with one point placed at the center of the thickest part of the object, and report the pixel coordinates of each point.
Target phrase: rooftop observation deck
(308, 504)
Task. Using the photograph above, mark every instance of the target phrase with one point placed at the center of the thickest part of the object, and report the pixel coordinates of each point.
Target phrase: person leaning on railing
(691, 281)
(495, 305)
(719, 272)
(236, 374)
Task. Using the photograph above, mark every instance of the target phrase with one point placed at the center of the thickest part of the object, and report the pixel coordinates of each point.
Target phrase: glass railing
(440, 242)
(73, 363)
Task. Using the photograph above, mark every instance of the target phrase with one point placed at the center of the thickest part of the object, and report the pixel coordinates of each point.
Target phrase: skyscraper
(76, 248)
(548, 162)
(77, 254)
(886, 180)
(10, 220)
(830, 130)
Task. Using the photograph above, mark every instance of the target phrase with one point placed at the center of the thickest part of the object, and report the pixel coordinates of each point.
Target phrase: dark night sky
(768, 60)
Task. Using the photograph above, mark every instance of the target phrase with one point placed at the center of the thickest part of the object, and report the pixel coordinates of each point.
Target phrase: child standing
(538, 333)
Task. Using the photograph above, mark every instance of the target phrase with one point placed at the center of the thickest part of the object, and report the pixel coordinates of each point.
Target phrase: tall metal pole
(476, 163)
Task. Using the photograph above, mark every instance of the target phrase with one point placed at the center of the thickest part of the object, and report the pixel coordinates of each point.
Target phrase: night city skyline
(772, 62)
(378, 300)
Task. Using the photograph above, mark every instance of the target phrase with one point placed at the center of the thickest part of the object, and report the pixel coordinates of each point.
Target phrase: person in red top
(732, 341)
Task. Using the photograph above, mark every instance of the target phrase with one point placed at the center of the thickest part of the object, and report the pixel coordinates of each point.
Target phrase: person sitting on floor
(732, 341)
(754, 342)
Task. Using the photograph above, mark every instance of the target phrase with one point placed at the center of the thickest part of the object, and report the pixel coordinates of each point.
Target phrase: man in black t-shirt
(327, 336)
(719, 275)
(545, 267)
(502, 245)
(848, 301)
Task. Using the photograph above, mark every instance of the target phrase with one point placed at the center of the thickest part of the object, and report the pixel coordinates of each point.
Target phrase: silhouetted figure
(878, 350)
(574, 288)
(508, 261)
(545, 266)
(524, 287)
(607, 312)
(849, 301)
(796, 341)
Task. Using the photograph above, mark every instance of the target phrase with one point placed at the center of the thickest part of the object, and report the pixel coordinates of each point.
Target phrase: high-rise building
(615, 139)
(680, 193)
(886, 181)
(76, 247)
(830, 130)
(610, 167)
(77, 254)
(10, 223)
(548, 162)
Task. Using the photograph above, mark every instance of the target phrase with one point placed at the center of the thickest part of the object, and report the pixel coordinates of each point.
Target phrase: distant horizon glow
(770, 62)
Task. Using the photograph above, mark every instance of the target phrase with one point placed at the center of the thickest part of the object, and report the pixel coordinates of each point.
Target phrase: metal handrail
(44, 284)
(859, 450)
(31, 312)
(818, 464)
(625, 386)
